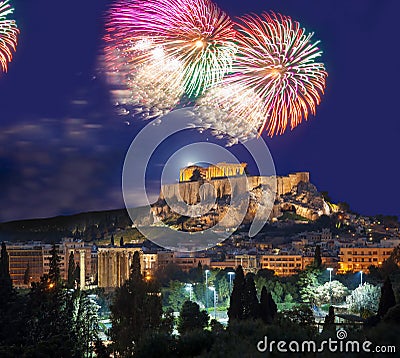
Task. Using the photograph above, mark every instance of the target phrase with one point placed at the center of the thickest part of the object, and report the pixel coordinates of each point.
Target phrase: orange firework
(8, 35)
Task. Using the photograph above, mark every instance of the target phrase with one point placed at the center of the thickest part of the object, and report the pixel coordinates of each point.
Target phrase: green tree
(71, 270)
(334, 289)
(84, 322)
(266, 273)
(54, 275)
(364, 300)
(175, 295)
(191, 318)
(9, 311)
(388, 299)
(77, 274)
(250, 301)
(302, 316)
(308, 283)
(236, 308)
(268, 308)
(27, 275)
(121, 241)
(393, 315)
(329, 322)
(135, 312)
(223, 289)
(5, 278)
(317, 263)
(196, 274)
(50, 326)
(167, 322)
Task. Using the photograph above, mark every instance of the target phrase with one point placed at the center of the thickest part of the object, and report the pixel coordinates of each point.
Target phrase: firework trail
(8, 35)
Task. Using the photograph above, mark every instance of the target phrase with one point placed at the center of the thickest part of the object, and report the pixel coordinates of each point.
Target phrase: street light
(212, 288)
(230, 274)
(330, 269)
(207, 272)
(189, 287)
(361, 277)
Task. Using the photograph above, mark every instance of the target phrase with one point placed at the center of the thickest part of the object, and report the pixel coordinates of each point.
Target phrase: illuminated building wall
(353, 259)
(22, 256)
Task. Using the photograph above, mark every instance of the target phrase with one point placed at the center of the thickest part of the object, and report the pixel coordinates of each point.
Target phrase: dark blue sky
(62, 144)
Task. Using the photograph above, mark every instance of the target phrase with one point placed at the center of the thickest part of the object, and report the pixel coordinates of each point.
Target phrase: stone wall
(190, 191)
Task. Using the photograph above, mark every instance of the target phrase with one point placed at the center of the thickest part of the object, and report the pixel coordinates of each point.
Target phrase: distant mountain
(53, 229)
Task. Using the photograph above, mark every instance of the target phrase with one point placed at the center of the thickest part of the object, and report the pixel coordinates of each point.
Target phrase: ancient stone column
(82, 268)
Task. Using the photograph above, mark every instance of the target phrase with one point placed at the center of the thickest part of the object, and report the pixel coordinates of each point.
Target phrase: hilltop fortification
(189, 191)
(293, 193)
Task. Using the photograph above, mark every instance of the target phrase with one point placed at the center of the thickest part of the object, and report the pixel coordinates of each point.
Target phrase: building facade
(26, 263)
(353, 259)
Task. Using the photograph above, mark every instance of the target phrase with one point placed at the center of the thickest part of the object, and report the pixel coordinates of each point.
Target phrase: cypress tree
(388, 299)
(121, 241)
(135, 312)
(136, 274)
(272, 305)
(236, 307)
(199, 273)
(71, 270)
(27, 275)
(250, 301)
(77, 274)
(54, 269)
(317, 257)
(329, 322)
(265, 309)
(191, 318)
(5, 278)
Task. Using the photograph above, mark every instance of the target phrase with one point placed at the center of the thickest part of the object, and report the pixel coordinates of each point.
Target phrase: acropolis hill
(218, 175)
(294, 192)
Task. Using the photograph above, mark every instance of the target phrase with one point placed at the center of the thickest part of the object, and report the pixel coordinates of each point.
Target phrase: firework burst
(8, 35)
(276, 59)
(194, 32)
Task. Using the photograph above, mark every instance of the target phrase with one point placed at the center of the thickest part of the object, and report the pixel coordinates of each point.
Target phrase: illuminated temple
(214, 171)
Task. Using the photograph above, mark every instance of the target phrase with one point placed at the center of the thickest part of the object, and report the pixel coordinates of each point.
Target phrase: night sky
(62, 143)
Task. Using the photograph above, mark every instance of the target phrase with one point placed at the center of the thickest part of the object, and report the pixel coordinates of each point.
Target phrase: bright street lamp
(230, 274)
(361, 277)
(189, 287)
(212, 288)
(330, 269)
(207, 272)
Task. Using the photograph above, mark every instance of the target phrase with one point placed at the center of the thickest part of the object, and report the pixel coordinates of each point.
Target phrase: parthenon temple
(219, 170)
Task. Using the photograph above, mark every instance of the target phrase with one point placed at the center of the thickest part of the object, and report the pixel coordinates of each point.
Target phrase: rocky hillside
(303, 200)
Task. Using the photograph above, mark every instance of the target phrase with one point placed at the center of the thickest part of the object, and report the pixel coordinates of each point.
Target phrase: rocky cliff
(293, 193)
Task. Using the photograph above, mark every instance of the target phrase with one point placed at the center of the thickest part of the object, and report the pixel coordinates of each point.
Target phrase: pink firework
(277, 59)
(194, 32)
